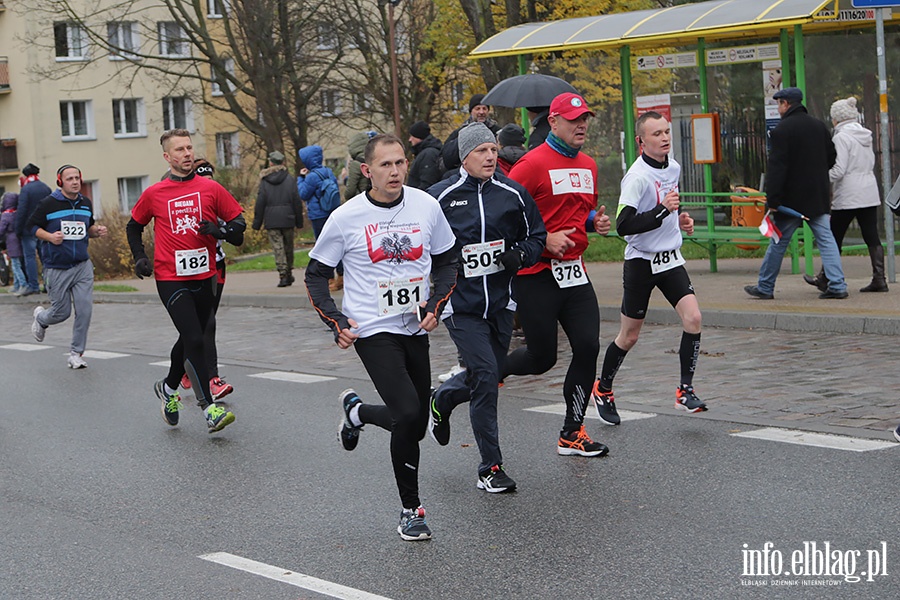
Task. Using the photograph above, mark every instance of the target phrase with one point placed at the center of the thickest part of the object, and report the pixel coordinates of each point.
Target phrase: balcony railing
(9, 160)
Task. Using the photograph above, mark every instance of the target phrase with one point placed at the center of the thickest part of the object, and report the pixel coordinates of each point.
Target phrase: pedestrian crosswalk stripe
(292, 377)
(25, 347)
(307, 582)
(820, 440)
(560, 409)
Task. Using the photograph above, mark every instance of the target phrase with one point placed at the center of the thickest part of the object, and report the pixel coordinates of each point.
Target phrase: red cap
(569, 106)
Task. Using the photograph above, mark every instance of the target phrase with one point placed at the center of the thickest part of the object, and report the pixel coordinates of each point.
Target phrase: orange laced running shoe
(579, 443)
(219, 389)
(185, 382)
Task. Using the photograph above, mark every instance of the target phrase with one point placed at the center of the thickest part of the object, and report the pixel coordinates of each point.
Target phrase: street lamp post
(395, 79)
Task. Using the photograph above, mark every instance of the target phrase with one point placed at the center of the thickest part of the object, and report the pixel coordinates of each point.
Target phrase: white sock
(354, 415)
(169, 391)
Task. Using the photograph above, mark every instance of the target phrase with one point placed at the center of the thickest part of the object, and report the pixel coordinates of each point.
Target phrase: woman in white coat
(854, 190)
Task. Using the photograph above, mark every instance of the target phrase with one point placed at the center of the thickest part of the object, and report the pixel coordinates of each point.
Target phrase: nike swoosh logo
(559, 182)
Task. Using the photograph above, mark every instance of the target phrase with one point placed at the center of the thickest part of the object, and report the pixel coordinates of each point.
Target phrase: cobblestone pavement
(818, 381)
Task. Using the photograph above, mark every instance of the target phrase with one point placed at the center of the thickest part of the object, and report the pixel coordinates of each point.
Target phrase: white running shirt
(387, 258)
(644, 188)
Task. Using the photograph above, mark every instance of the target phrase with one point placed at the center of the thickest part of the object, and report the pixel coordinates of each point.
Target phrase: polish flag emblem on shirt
(397, 245)
(567, 181)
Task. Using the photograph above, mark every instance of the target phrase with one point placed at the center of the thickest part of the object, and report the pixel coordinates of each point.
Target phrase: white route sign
(743, 54)
(665, 61)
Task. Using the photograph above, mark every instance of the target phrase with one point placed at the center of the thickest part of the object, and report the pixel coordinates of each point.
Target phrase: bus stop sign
(874, 3)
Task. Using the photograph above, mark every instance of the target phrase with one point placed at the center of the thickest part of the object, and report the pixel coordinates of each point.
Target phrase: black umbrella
(527, 90)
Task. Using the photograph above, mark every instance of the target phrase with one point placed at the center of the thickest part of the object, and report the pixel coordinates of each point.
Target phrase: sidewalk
(724, 303)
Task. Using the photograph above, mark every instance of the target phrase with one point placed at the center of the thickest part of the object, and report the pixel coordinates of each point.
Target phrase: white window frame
(116, 36)
(165, 40)
(363, 102)
(326, 36)
(69, 105)
(188, 113)
(232, 151)
(125, 200)
(76, 42)
(217, 9)
(215, 88)
(119, 118)
(95, 197)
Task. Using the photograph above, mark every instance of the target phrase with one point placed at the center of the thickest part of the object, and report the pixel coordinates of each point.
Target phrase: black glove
(210, 228)
(511, 260)
(143, 267)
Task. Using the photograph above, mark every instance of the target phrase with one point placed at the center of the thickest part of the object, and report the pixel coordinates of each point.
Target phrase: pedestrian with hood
(357, 183)
(9, 205)
(315, 187)
(854, 191)
(425, 170)
(278, 208)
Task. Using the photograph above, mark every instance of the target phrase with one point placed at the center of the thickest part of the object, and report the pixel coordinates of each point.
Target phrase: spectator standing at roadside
(13, 245)
(478, 113)
(33, 191)
(512, 146)
(357, 183)
(540, 126)
(312, 184)
(278, 208)
(425, 170)
(854, 191)
(797, 178)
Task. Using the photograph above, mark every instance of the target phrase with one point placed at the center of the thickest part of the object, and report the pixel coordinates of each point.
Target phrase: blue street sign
(874, 3)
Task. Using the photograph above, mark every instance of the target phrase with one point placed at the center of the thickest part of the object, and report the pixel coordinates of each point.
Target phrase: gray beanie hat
(473, 135)
(844, 110)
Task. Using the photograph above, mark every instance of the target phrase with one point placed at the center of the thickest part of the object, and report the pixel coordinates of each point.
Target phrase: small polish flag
(768, 229)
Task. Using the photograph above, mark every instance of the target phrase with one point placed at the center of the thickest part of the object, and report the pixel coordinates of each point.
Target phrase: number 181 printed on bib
(396, 296)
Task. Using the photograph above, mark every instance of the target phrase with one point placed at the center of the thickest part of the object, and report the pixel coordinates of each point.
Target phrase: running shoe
(170, 404)
(897, 433)
(606, 405)
(219, 389)
(412, 527)
(579, 443)
(37, 330)
(217, 418)
(438, 423)
(496, 481)
(686, 399)
(185, 382)
(348, 433)
(76, 361)
(454, 371)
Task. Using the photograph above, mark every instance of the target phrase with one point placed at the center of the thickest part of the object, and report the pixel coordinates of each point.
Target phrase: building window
(128, 117)
(331, 102)
(216, 86)
(456, 95)
(123, 39)
(326, 36)
(76, 120)
(217, 8)
(362, 102)
(178, 113)
(172, 39)
(130, 189)
(227, 151)
(70, 41)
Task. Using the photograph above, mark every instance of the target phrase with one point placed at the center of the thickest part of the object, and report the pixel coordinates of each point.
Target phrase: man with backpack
(318, 187)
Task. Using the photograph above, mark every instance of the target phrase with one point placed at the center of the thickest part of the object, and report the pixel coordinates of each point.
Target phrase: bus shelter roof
(677, 25)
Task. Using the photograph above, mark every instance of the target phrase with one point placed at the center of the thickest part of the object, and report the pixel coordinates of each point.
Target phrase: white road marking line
(161, 363)
(101, 355)
(292, 377)
(296, 579)
(819, 440)
(560, 409)
(25, 347)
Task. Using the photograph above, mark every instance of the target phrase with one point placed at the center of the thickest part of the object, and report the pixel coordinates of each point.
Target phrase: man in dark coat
(478, 113)
(540, 125)
(425, 170)
(797, 183)
(33, 191)
(278, 207)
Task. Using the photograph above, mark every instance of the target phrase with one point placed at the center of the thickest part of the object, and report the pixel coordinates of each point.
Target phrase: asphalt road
(102, 500)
